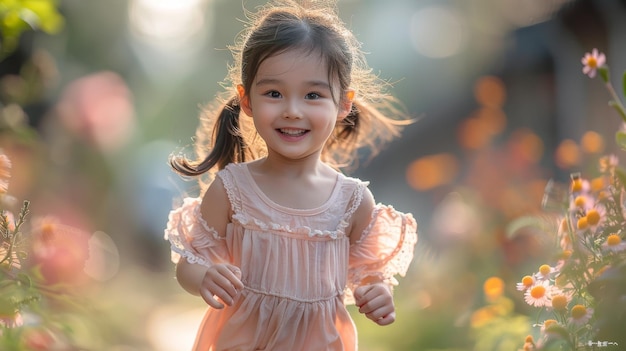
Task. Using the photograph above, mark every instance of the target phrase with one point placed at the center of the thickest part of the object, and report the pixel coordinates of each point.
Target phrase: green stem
(23, 212)
(616, 103)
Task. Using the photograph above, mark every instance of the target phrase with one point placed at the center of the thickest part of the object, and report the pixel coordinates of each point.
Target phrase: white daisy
(540, 294)
(614, 243)
(579, 315)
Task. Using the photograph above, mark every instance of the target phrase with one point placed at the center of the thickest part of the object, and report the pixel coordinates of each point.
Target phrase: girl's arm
(373, 297)
(220, 279)
(361, 217)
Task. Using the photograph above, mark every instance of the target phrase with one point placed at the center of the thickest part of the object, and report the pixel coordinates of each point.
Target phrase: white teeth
(292, 131)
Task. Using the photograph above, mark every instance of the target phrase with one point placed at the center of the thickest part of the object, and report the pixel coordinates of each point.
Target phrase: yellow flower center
(597, 184)
(593, 217)
(559, 302)
(613, 240)
(528, 281)
(549, 322)
(579, 201)
(566, 254)
(529, 338)
(582, 223)
(577, 185)
(545, 269)
(592, 62)
(538, 292)
(578, 311)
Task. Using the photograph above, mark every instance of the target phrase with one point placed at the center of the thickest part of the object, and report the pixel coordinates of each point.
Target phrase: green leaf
(620, 139)
(604, 73)
(17, 17)
(46, 16)
(25, 279)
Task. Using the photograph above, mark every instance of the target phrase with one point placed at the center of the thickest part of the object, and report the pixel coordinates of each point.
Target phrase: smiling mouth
(292, 132)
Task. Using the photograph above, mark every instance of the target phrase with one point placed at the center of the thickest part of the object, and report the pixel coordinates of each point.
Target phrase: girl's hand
(376, 302)
(222, 281)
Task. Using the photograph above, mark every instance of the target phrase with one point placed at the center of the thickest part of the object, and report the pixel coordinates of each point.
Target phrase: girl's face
(291, 104)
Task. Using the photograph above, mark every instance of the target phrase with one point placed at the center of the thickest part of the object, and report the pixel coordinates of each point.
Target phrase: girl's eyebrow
(312, 83)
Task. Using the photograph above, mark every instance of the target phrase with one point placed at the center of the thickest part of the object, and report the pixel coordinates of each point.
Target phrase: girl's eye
(313, 96)
(273, 94)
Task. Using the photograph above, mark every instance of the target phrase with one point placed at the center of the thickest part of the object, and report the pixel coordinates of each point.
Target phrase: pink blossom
(592, 61)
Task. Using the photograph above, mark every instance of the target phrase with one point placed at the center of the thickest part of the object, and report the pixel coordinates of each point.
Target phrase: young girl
(280, 240)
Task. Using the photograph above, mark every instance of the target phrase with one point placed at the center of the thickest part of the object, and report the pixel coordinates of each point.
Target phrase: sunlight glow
(173, 328)
(438, 31)
(167, 22)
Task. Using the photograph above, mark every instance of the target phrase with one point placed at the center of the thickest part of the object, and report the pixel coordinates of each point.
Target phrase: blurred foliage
(18, 16)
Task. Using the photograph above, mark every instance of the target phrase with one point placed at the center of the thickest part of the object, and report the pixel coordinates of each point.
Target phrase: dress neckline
(300, 211)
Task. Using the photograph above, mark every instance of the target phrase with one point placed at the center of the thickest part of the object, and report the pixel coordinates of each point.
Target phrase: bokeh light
(438, 31)
(567, 154)
(432, 171)
(490, 92)
(98, 109)
(592, 142)
(525, 146)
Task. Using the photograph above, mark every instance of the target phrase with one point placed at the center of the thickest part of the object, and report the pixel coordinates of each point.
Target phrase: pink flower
(98, 108)
(592, 61)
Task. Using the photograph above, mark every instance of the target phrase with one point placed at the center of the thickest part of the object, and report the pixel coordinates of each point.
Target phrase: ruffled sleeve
(192, 238)
(384, 250)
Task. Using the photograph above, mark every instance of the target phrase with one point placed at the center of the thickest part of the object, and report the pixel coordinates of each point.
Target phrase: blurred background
(92, 108)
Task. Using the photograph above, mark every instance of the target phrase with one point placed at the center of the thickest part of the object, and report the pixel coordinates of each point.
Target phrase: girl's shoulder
(231, 173)
(354, 181)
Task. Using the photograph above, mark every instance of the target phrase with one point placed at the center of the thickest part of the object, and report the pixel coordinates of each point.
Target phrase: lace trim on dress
(248, 222)
(229, 185)
(177, 253)
(354, 205)
(186, 226)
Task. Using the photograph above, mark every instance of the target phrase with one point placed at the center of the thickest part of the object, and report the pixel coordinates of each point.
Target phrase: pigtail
(365, 129)
(228, 144)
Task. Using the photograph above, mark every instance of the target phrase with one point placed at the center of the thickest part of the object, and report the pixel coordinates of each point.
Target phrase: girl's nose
(292, 110)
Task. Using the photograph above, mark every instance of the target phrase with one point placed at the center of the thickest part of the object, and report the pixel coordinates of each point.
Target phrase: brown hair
(313, 26)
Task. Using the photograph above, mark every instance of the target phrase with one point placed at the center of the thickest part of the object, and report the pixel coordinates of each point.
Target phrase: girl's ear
(244, 100)
(345, 106)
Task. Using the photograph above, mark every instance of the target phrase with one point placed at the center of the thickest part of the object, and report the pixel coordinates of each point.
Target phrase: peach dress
(298, 266)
